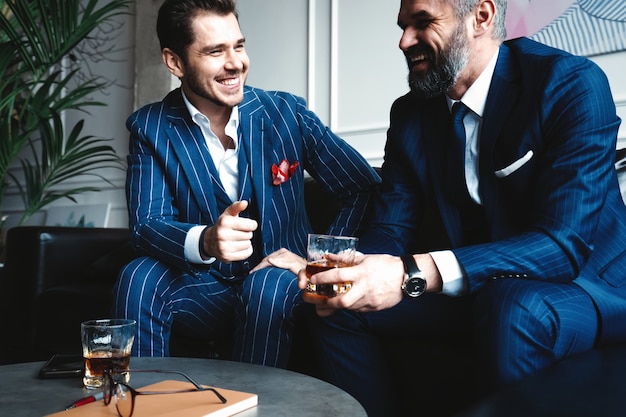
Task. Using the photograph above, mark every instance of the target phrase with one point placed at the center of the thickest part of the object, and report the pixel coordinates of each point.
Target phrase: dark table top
(280, 392)
(585, 385)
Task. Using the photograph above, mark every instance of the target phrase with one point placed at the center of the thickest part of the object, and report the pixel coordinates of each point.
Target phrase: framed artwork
(581, 27)
(94, 215)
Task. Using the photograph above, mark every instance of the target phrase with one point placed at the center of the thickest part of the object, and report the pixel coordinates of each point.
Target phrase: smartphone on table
(63, 366)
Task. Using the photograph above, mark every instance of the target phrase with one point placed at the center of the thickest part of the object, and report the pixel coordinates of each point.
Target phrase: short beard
(443, 76)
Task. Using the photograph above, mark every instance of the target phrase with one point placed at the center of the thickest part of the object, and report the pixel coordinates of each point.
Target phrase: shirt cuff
(451, 273)
(192, 247)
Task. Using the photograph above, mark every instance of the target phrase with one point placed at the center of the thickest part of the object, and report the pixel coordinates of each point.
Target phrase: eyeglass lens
(107, 386)
(124, 401)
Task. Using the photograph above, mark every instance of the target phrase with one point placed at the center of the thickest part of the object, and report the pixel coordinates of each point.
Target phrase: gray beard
(441, 78)
(434, 84)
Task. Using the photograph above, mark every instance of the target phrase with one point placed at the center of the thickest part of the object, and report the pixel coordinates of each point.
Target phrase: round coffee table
(280, 392)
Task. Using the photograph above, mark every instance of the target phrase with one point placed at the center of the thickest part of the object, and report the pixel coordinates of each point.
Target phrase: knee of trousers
(141, 272)
(142, 276)
(276, 293)
(509, 304)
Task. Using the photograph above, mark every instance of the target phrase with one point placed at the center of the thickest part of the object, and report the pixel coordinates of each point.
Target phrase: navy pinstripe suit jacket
(169, 186)
(546, 174)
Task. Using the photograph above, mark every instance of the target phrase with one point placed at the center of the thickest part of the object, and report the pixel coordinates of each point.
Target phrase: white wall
(341, 55)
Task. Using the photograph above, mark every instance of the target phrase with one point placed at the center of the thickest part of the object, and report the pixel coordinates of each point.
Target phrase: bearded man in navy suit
(532, 250)
(215, 195)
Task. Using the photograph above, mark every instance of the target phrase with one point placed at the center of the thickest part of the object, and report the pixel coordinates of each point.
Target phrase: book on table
(189, 404)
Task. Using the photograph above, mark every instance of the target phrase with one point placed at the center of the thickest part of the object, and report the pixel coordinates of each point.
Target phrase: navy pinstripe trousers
(259, 309)
(520, 327)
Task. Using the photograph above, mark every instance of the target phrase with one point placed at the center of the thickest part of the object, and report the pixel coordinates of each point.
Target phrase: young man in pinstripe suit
(215, 195)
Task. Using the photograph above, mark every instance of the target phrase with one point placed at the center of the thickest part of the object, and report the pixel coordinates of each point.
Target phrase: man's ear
(484, 15)
(173, 62)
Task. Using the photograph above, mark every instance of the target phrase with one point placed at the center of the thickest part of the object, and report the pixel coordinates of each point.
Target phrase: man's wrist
(193, 245)
(414, 283)
(203, 251)
(452, 278)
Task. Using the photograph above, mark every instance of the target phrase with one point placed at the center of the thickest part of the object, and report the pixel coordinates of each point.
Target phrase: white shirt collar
(200, 119)
(476, 96)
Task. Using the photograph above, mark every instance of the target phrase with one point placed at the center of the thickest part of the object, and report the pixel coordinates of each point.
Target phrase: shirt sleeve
(451, 273)
(192, 246)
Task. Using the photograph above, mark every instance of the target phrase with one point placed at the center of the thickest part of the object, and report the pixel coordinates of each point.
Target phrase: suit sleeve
(153, 215)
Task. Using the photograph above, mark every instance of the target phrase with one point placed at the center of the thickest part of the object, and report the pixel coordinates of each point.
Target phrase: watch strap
(410, 266)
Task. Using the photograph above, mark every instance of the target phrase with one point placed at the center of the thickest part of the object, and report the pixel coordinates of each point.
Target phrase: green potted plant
(41, 83)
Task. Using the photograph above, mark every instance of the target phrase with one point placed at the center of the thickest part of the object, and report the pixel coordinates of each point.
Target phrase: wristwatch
(414, 283)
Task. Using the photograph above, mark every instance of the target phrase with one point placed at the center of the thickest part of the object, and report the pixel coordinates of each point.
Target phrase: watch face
(415, 287)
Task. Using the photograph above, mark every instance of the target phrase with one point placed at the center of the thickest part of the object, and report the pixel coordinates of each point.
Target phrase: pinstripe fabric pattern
(531, 327)
(171, 188)
(551, 280)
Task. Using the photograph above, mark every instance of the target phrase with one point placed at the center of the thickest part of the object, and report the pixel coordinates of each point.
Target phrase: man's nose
(234, 60)
(408, 39)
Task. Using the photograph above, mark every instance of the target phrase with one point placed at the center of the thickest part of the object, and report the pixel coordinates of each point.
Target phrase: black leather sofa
(53, 279)
(56, 277)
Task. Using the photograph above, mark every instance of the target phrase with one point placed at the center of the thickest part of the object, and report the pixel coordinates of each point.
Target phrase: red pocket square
(282, 172)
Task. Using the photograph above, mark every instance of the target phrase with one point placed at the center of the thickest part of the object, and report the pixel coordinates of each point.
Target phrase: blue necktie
(456, 155)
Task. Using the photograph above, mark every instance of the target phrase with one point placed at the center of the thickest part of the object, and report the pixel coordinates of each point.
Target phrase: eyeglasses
(124, 394)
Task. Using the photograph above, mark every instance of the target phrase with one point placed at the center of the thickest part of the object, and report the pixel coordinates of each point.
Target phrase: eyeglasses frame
(112, 387)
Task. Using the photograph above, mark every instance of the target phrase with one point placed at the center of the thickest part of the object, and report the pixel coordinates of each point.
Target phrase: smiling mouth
(229, 81)
(416, 60)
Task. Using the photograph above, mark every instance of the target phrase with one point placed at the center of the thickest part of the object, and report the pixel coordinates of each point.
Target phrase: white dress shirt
(474, 98)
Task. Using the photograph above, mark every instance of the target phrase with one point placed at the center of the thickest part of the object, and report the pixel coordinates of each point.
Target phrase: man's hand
(376, 283)
(230, 238)
(282, 258)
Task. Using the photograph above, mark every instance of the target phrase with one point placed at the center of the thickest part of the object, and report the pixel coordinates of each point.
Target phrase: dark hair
(175, 17)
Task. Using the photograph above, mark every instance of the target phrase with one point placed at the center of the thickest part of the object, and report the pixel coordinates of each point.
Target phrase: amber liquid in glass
(326, 290)
(98, 362)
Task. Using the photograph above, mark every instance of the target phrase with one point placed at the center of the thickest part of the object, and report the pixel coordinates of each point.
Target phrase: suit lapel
(192, 152)
(504, 92)
(256, 143)
(437, 122)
